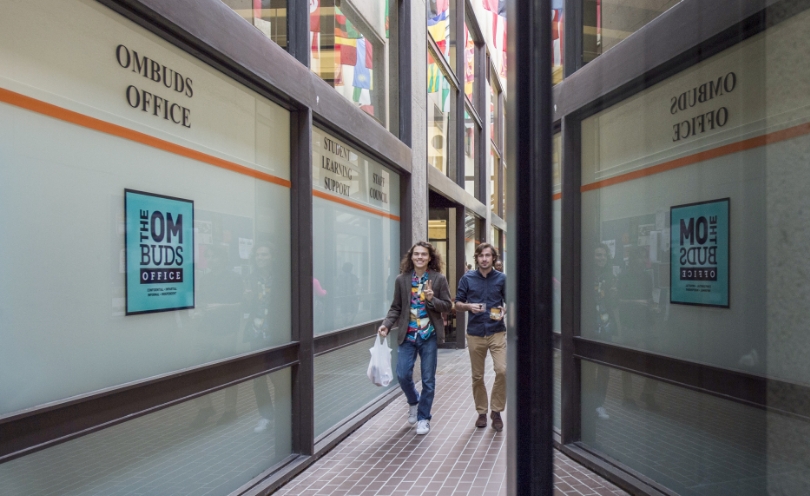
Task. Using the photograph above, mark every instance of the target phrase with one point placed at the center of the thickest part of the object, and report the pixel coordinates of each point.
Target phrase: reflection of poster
(204, 232)
(245, 248)
(699, 253)
(611, 244)
(159, 252)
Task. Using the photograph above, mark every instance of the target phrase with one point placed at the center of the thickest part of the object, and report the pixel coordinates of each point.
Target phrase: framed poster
(699, 253)
(159, 252)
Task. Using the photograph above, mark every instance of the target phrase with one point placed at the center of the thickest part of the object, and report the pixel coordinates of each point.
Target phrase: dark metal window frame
(212, 32)
(664, 47)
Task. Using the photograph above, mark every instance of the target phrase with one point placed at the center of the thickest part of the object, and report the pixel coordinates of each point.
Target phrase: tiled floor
(386, 457)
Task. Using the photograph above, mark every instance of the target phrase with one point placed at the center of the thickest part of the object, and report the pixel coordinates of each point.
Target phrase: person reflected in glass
(259, 295)
(606, 320)
(636, 313)
(482, 292)
(421, 294)
(349, 300)
(216, 315)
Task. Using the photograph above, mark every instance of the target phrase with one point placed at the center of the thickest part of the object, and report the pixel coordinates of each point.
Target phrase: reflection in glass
(494, 180)
(556, 164)
(341, 385)
(440, 102)
(691, 442)
(607, 22)
(557, 388)
(472, 238)
(494, 17)
(494, 122)
(557, 36)
(471, 130)
(356, 260)
(441, 29)
(348, 51)
(211, 445)
(268, 16)
(469, 64)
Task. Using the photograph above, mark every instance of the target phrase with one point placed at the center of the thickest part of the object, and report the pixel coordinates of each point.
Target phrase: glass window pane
(442, 29)
(607, 22)
(352, 49)
(469, 64)
(440, 102)
(557, 227)
(471, 130)
(341, 384)
(494, 27)
(494, 181)
(557, 36)
(494, 123)
(472, 238)
(557, 388)
(356, 235)
(210, 445)
(739, 101)
(268, 16)
(692, 443)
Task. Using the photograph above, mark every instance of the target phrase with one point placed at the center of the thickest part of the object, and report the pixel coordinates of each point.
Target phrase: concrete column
(418, 75)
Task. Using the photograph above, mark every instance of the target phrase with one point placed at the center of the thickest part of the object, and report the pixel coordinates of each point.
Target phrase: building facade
(240, 179)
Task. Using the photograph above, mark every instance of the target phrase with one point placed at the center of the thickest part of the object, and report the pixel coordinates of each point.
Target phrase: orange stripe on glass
(353, 204)
(720, 151)
(40, 107)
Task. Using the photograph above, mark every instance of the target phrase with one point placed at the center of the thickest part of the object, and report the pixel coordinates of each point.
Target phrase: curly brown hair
(435, 264)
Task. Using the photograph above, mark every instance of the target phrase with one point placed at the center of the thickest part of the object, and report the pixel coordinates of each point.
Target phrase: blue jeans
(406, 358)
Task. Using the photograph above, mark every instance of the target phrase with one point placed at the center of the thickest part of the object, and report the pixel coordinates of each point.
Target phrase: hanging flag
(469, 62)
(314, 16)
(433, 78)
(387, 19)
(362, 75)
(445, 95)
(345, 51)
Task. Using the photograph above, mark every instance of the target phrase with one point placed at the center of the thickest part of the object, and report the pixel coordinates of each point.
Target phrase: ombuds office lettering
(704, 121)
(148, 101)
(161, 236)
(337, 168)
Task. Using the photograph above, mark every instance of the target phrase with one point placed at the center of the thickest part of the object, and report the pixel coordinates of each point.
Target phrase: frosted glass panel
(341, 385)
(693, 443)
(71, 142)
(356, 227)
(208, 446)
(356, 261)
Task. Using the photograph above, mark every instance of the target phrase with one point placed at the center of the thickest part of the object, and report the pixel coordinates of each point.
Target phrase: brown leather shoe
(497, 422)
(482, 420)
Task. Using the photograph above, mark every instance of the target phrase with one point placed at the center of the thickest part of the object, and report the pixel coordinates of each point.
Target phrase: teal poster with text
(159, 252)
(700, 253)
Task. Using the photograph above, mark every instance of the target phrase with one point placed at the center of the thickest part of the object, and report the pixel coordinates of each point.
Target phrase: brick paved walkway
(386, 457)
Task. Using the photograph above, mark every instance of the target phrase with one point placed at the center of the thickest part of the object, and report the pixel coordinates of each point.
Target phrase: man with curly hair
(421, 294)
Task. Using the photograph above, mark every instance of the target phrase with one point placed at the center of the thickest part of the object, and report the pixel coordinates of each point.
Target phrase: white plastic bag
(379, 368)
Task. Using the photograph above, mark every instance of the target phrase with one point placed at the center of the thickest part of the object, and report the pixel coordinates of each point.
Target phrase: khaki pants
(496, 344)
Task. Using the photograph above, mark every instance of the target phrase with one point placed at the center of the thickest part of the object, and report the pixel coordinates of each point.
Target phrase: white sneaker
(602, 413)
(423, 427)
(261, 426)
(412, 411)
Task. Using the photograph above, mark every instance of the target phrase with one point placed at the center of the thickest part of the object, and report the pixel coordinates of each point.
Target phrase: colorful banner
(159, 252)
(700, 253)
